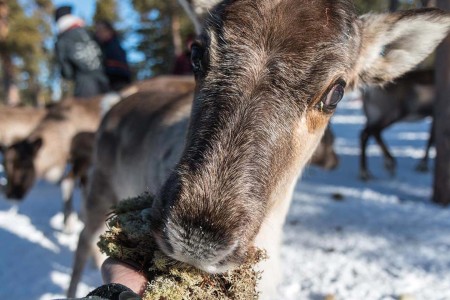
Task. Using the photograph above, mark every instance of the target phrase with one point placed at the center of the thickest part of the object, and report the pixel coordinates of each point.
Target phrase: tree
(10, 92)
(163, 28)
(441, 116)
(106, 10)
(23, 54)
(38, 87)
(393, 5)
(364, 6)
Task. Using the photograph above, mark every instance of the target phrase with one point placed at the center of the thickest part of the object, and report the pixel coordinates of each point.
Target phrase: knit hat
(62, 11)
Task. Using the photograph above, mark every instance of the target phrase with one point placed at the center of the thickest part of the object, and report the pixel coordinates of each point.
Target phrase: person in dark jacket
(78, 55)
(114, 56)
(183, 65)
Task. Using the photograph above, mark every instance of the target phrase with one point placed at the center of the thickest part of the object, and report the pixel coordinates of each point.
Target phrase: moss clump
(129, 238)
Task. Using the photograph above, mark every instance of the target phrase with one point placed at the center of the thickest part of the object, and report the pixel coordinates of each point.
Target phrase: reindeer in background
(44, 152)
(15, 124)
(18, 122)
(407, 99)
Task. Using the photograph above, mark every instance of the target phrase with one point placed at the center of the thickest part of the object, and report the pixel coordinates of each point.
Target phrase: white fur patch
(271, 231)
(67, 187)
(108, 101)
(54, 174)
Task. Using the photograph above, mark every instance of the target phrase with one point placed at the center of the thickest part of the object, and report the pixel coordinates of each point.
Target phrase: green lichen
(129, 238)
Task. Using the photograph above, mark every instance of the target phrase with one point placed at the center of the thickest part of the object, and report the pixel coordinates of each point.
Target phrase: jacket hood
(68, 22)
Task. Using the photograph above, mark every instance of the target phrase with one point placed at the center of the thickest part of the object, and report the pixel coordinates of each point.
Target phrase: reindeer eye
(197, 53)
(333, 97)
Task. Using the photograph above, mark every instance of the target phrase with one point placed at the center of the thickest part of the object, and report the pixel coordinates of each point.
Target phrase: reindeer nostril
(203, 249)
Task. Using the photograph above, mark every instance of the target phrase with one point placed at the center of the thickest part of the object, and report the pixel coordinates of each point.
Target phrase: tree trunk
(441, 117)
(428, 3)
(10, 88)
(189, 10)
(175, 31)
(393, 5)
(35, 91)
(176, 34)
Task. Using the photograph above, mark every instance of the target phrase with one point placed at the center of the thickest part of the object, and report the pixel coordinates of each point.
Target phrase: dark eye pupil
(335, 95)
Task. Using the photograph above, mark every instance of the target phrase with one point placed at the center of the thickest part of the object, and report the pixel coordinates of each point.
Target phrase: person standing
(183, 65)
(78, 55)
(114, 56)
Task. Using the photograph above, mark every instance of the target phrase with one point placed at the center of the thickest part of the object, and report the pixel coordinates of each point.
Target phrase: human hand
(115, 271)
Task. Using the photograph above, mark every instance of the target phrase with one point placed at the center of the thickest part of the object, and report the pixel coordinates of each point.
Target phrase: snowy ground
(384, 239)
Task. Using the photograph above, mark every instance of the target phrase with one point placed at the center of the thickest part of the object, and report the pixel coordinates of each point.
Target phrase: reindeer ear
(203, 6)
(393, 44)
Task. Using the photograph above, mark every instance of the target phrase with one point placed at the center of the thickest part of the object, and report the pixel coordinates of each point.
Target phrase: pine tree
(164, 27)
(23, 54)
(38, 88)
(106, 10)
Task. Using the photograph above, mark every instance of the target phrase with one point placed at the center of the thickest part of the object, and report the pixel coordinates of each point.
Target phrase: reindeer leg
(81, 167)
(98, 203)
(389, 160)
(422, 166)
(364, 173)
(84, 195)
(67, 187)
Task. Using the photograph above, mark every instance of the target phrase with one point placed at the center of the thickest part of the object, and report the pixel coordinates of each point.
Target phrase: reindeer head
(270, 73)
(19, 167)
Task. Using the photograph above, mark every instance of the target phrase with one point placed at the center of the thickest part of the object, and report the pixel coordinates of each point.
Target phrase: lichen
(128, 238)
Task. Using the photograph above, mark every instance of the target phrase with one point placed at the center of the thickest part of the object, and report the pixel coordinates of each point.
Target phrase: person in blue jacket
(114, 56)
(78, 55)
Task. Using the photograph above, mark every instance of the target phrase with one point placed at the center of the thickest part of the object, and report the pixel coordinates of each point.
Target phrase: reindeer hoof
(390, 166)
(365, 175)
(71, 223)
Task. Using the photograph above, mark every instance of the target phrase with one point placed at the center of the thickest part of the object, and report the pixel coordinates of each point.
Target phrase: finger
(115, 271)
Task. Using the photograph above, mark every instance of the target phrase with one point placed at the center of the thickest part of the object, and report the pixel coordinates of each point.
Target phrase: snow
(343, 237)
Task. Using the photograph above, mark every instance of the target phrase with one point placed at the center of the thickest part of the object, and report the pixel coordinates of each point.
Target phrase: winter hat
(62, 11)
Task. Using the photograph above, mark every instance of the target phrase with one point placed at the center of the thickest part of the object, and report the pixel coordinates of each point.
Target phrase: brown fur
(324, 155)
(16, 123)
(45, 151)
(317, 120)
(262, 67)
(137, 147)
(240, 157)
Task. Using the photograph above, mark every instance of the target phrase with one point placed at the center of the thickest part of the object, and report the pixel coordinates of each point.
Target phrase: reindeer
(44, 152)
(64, 135)
(269, 75)
(17, 122)
(79, 161)
(324, 156)
(408, 98)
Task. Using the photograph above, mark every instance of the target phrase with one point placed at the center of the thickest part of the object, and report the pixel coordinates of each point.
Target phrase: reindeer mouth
(15, 194)
(210, 258)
